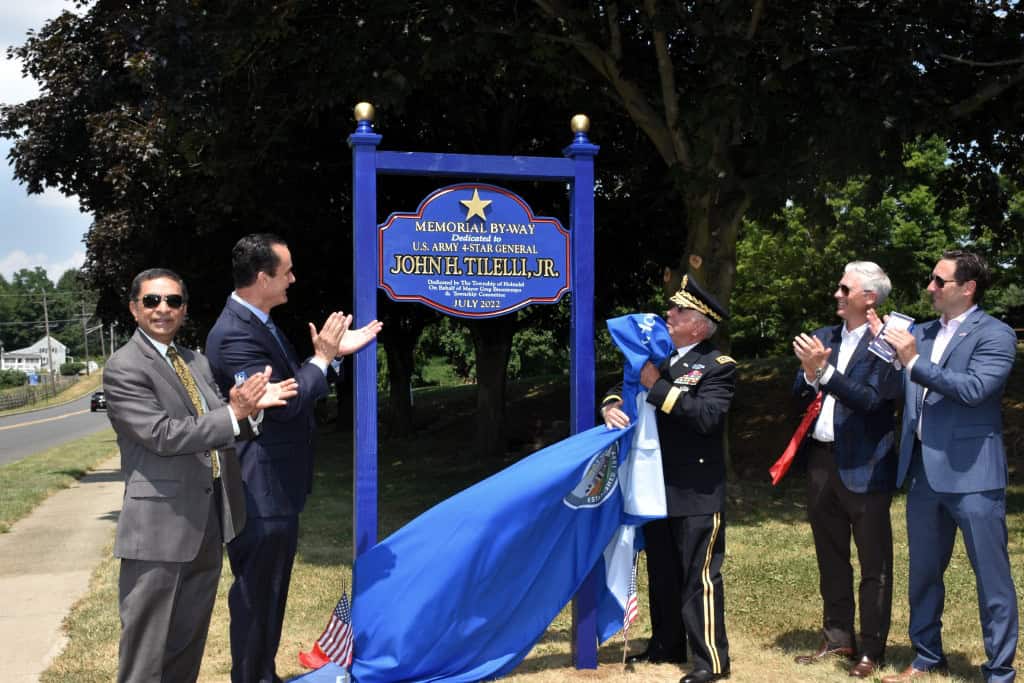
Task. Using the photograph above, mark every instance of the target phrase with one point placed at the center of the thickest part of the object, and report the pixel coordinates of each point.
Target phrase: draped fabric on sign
(464, 591)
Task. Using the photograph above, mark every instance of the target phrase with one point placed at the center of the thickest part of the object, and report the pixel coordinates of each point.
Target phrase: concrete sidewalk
(46, 561)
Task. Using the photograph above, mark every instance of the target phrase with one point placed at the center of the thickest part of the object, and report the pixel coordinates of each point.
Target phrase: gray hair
(710, 326)
(872, 279)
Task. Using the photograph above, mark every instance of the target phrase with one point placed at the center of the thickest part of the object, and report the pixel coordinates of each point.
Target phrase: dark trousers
(165, 611)
(684, 566)
(836, 513)
(932, 521)
(261, 560)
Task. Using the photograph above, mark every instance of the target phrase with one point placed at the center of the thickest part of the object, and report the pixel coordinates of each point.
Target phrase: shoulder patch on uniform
(722, 360)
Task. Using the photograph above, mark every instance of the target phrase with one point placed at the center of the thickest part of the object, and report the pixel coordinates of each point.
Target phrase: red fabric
(781, 466)
(314, 659)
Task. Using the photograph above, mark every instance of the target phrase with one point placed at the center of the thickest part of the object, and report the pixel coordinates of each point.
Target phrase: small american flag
(336, 640)
(629, 616)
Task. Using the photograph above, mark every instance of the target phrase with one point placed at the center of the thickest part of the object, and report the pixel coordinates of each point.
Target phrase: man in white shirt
(952, 458)
(851, 470)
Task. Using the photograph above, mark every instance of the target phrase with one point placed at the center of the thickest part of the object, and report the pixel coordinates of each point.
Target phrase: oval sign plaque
(475, 251)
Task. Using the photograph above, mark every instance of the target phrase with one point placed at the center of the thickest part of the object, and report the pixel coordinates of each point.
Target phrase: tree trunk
(712, 230)
(711, 236)
(492, 342)
(399, 415)
(399, 339)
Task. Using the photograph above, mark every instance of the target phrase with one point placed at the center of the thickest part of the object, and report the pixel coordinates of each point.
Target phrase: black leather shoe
(655, 655)
(703, 676)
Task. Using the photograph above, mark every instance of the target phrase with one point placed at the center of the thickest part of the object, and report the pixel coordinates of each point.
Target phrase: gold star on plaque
(475, 206)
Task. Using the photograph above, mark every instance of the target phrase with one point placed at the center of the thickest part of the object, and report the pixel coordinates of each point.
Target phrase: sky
(38, 230)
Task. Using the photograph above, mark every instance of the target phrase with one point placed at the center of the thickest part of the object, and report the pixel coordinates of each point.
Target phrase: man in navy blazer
(277, 468)
(851, 471)
(952, 457)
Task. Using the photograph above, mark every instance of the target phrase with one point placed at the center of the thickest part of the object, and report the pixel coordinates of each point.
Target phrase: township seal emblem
(599, 480)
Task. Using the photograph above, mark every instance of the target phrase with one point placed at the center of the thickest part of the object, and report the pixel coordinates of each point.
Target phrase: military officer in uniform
(691, 391)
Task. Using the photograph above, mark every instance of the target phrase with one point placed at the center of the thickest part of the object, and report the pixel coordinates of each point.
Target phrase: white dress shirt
(824, 428)
(680, 352)
(947, 330)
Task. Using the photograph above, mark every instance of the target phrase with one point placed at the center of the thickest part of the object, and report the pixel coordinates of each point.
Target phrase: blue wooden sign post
(576, 169)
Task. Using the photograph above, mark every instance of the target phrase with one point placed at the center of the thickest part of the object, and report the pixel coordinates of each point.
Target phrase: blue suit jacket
(865, 414)
(277, 467)
(962, 430)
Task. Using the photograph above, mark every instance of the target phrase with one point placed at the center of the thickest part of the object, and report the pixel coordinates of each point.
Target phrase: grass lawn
(772, 602)
(27, 482)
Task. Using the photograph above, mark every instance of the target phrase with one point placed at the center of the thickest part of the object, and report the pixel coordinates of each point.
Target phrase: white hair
(872, 279)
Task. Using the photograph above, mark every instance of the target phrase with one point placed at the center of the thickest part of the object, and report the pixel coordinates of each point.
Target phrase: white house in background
(34, 358)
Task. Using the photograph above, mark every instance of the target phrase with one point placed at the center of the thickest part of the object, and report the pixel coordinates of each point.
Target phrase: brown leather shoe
(824, 652)
(910, 673)
(865, 667)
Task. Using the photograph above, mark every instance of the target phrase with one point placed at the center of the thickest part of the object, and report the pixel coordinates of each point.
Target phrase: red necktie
(781, 466)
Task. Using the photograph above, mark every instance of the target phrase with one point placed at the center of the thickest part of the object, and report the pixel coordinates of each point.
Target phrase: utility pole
(49, 349)
(85, 338)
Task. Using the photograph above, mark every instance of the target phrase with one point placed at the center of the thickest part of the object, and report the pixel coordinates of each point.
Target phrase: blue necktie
(277, 335)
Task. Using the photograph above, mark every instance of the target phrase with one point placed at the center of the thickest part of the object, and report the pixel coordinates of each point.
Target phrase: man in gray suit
(183, 491)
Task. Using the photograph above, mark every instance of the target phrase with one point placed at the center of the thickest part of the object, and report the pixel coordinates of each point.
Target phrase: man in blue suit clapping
(952, 457)
(851, 469)
(277, 468)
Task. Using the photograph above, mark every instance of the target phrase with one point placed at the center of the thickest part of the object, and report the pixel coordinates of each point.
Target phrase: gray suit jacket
(165, 454)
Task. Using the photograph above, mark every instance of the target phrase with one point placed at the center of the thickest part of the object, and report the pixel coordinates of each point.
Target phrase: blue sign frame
(576, 169)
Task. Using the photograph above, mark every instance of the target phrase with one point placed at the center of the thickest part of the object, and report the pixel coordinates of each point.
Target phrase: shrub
(12, 378)
(67, 369)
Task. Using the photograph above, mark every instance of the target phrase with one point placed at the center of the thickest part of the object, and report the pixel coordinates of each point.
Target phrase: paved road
(28, 433)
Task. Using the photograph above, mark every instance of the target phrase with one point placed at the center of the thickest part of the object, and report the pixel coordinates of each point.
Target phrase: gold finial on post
(580, 123)
(364, 112)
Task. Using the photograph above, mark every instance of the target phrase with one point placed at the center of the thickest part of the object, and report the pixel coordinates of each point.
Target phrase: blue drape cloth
(464, 591)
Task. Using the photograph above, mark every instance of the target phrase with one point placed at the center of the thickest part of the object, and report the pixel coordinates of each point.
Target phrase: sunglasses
(940, 282)
(846, 290)
(153, 300)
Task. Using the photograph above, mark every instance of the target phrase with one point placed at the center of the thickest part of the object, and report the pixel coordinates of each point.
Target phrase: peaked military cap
(691, 295)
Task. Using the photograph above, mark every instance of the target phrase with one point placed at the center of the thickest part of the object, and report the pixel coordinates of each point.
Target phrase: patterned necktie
(189, 382)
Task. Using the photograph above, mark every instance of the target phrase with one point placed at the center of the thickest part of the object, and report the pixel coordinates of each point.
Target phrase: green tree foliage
(22, 314)
(751, 104)
(184, 125)
(789, 265)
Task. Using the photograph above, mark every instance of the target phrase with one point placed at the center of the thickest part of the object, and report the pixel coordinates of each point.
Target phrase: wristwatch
(819, 373)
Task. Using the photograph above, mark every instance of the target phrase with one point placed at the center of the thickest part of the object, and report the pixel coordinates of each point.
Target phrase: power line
(43, 322)
(53, 293)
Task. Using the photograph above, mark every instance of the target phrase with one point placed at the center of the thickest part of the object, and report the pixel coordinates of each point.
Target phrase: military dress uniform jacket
(691, 400)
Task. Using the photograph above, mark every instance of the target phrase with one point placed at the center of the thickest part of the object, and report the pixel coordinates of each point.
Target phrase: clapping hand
(874, 324)
(812, 353)
(353, 340)
(277, 393)
(244, 398)
(904, 343)
(258, 393)
(326, 340)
